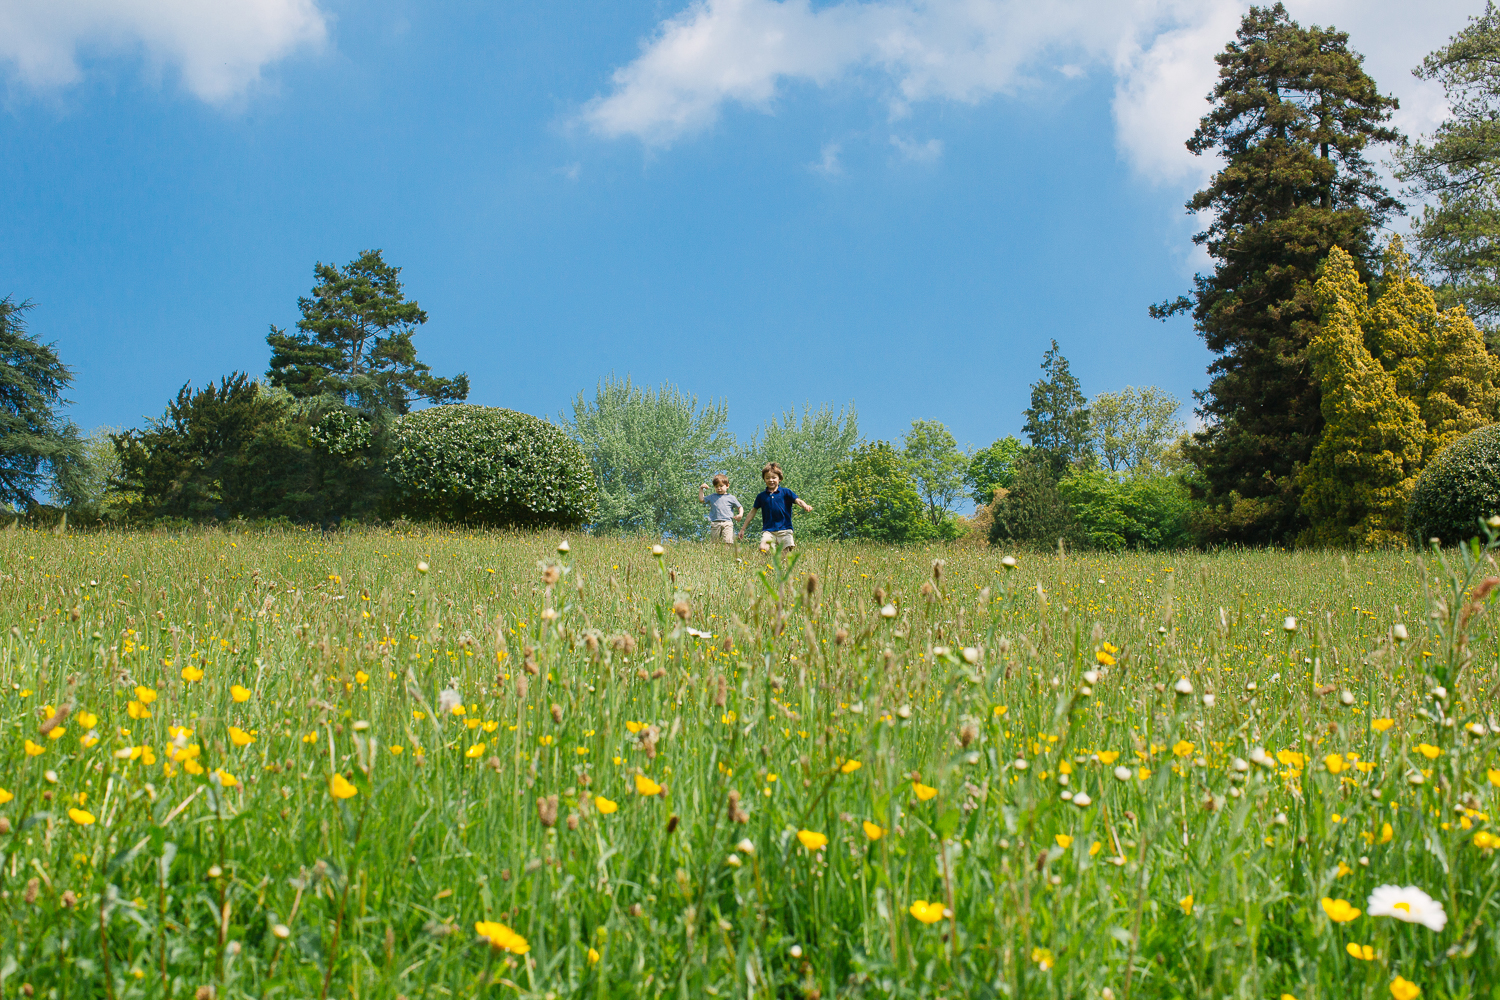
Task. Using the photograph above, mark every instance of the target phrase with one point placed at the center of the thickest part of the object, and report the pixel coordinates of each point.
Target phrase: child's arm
(804, 504)
(703, 493)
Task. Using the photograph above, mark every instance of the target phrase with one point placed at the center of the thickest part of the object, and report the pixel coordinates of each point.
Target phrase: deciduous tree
(937, 467)
(993, 467)
(1134, 429)
(876, 499)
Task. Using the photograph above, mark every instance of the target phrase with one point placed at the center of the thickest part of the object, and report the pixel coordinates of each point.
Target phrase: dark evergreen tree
(1057, 421)
(1293, 113)
(38, 448)
(355, 342)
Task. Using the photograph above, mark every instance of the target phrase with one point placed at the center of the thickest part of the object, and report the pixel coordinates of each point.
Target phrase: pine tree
(1057, 421)
(1293, 113)
(38, 447)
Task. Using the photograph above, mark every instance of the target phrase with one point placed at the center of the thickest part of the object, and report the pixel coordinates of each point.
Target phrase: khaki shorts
(781, 538)
(721, 531)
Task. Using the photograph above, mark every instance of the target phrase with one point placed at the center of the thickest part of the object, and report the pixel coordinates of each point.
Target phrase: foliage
(1459, 487)
(240, 450)
(1033, 509)
(808, 452)
(315, 895)
(993, 467)
(355, 342)
(1293, 113)
(1114, 513)
(875, 499)
(937, 467)
(1456, 173)
(1134, 429)
(1057, 421)
(38, 448)
(649, 449)
(95, 494)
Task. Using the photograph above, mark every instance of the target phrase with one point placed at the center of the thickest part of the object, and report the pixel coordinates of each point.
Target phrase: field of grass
(434, 764)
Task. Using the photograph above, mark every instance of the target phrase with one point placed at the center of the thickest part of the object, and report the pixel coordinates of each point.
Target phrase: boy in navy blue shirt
(775, 506)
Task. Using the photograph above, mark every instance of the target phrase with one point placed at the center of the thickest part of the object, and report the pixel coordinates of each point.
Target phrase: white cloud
(918, 152)
(219, 47)
(829, 165)
(1160, 52)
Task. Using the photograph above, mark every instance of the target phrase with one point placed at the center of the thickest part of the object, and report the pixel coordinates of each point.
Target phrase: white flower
(1082, 800)
(1122, 772)
(1091, 677)
(448, 700)
(745, 847)
(733, 859)
(1398, 632)
(1346, 698)
(971, 655)
(563, 546)
(1009, 562)
(421, 567)
(1208, 701)
(889, 611)
(658, 551)
(1290, 624)
(1183, 686)
(1409, 904)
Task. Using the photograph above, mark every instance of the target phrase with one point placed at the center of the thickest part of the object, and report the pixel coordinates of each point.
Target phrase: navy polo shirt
(776, 509)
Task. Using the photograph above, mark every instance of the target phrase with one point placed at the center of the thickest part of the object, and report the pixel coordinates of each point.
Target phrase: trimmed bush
(486, 465)
(1459, 486)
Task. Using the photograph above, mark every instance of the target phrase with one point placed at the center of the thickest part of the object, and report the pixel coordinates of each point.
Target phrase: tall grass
(1082, 776)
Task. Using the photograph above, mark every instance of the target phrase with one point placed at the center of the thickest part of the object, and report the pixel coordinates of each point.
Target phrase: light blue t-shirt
(721, 506)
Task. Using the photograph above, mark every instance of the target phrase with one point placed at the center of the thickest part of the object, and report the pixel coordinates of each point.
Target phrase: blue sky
(895, 204)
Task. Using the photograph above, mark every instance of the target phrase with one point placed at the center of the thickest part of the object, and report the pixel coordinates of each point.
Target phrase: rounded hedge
(1459, 486)
(486, 465)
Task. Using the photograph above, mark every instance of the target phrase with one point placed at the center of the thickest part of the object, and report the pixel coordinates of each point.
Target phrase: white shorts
(782, 538)
(721, 531)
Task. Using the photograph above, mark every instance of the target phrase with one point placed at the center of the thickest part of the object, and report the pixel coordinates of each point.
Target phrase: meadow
(430, 763)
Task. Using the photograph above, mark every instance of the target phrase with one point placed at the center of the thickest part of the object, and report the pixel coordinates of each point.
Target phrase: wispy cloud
(220, 48)
(918, 152)
(829, 165)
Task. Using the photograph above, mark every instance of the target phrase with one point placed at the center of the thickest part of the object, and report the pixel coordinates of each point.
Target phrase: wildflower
(873, 831)
(1363, 952)
(1182, 748)
(239, 693)
(500, 936)
(634, 727)
(1494, 776)
(361, 678)
(1063, 840)
(1291, 758)
(1183, 686)
(88, 720)
(340, 787)
(645, 786)
(310, 738)
(928, 913)
(477, 750)
(1107, 757)
(450, 702)
(1339, 910)
(1001, 710)
(396, 749)
(80, 817)
(225, 778)
(1143, 773)
(812, 840)
(1405, 989)
(191, 673)
(888, 611)
(192, 767)
(89, 738)
(491, 726)
(1381, 725)
(924, 792)
(5, 796)
(1094, 848)
(1290, 625)
(1410, 904)
(1428, 750)
(32, 749)
(605, 806)
(1186, 902)
(1043, 957)
(239, 737)
(1123, 773)
(1335, 763)
(1386, 833)
(593, 955)
(145, 695)
(850, 766)
(1343, 870)
(1481, 839)
(1104, 658)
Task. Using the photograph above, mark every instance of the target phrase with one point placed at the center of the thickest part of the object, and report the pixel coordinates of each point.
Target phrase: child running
(775, 506)
(723, 509)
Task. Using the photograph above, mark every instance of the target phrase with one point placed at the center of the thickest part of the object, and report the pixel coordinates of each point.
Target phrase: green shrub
(875, 499)
(486, 465)
(1459, 486)
(1140, 512)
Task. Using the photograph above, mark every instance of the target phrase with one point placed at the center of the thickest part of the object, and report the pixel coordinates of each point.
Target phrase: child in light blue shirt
(723, 509)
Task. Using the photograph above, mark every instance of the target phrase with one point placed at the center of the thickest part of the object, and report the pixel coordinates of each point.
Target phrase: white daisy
(1409, 904)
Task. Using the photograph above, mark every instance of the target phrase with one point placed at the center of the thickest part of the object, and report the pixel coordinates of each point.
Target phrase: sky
(895, 204)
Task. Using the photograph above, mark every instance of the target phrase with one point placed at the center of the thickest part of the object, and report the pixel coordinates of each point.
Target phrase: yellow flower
(1183, 748)
(1481, 839)
(310, 738)
(1186, 902)
(396, 749)
(593, 957)
(924, 792)
(192, 766)
(145, 695)
(491, 726)
(137, 710)
(1094, 848)
(340, 787)
(645, 786)
(1343, 870)
(5, 796)
(88, 720)
(1363, 952)
(1104, 658)
(32, 749)
(1335, 763)
(360, 677)
(1381, 725)
(605, 806)
(458, 710)
(635, 727)
(1386, 833)
(812, 840)
(581, 751)
(1063, 840)
(850, 766)
(80, 817)
(1428, 750)
(546, 741)
(89, 739)
(239, 693)
(1291, 758)
(1339, 910)
(191, 673)
(474, 751)
(148, 756)
(928, 913)
(1405, 989)
(1043, 957)
(472, 723)
(1143, 773)
(873, 831)
(225, 778)
(1494, 775)
(1000, 710)
(1108, 756)
(239, 737)
(57, 733)
(502, 937)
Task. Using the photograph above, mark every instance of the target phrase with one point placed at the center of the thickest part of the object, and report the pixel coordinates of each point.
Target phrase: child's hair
(721, 479)
(770, 467)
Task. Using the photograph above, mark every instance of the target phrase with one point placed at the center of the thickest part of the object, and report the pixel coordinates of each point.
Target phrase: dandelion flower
(1428, 750)
(191, 673)
(239, 693)
(502, 937)
(1063, 840)
(1405, 989)
(924, 792)
(1363, 952)
(145, 695)
(1410, 904)
(1107, 757)
(928, 913)
(1381, 725)
(645, 786)
(474, 751)
(605, 806)
(80, 817)
(873, 831)
(1104, 658)
(1335, 763)
(340, 787)
(1339, 910)
(812, 840)
(850, 766)
(32, 749)
(239, 737)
